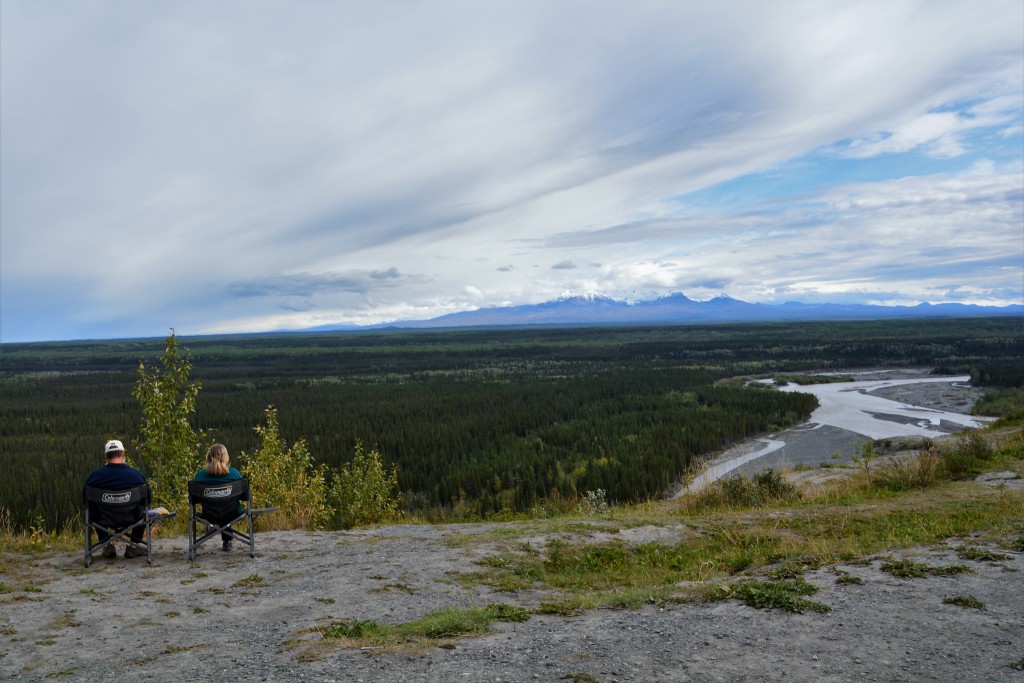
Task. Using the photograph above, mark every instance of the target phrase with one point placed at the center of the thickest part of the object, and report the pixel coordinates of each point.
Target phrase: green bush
(169, 447)
(363, 491)
(920, 472)
(765, 487)
(966, 459)
(286, 477)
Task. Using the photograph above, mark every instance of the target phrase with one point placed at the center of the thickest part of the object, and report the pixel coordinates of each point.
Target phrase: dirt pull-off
(229, 617)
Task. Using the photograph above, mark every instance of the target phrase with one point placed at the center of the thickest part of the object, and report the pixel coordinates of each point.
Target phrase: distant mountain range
(678, 309)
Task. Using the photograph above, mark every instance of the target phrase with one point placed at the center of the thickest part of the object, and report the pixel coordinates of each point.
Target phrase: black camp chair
(215, 507)
(117, 513)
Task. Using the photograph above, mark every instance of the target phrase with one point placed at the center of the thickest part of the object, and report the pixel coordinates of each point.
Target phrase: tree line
(473, 422)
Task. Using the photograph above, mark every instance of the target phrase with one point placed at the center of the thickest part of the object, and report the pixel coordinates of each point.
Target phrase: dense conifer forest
(476, 421)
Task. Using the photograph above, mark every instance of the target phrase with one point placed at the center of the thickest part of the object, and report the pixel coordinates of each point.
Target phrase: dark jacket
(116, 477)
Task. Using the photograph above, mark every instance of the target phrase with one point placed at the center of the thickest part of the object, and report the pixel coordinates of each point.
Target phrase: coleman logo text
(117, 497)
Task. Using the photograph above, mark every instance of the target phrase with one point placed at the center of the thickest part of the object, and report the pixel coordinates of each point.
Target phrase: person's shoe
(130, 552)
(227, 546)
(109, 551)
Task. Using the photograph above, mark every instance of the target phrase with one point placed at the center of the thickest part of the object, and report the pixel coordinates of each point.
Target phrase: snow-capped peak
(586, 296)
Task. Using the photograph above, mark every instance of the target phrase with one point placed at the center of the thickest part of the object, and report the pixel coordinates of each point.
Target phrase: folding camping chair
(117, 513)
(216, 507)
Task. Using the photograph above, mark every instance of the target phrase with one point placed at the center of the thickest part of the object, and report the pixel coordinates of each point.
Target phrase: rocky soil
(230, 617)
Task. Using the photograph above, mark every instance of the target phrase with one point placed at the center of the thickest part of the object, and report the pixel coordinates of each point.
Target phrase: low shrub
(286, 477)
(966, 459)
(763, 488)
(363, 491)
(921, 472)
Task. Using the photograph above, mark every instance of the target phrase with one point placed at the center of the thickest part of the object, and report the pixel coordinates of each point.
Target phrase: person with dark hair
(218, 471)
(117, 475)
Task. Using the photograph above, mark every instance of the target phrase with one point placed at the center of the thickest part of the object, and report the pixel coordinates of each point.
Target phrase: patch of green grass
(87, 591)
(354, 629)
(66, 620)
(979, 555)
(174, 649)
(326, 601)
(908, 569)
(565, 608)
(251, 581)
(397, 586)
(199, 610)
(505, 612)
(785, 595)
(847, 579)
(805, 535)
(1018, 665)
(964, 601)
(951, 570)
(905, 569)
(442, 624)
(579, 677)
(172, 614)
(796, 566)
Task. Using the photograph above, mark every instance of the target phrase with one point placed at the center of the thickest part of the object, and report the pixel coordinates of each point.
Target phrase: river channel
(881, 407)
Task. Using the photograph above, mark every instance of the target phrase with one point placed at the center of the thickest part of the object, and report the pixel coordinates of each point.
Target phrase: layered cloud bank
(220, 167)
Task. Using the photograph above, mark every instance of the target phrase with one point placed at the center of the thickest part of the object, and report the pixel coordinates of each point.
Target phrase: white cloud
(448, 148)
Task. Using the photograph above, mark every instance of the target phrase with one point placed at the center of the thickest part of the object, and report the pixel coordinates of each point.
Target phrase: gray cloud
(306, 285)
(564, 265)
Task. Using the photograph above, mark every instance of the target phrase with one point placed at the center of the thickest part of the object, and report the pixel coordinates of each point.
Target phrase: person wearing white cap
(117, 475)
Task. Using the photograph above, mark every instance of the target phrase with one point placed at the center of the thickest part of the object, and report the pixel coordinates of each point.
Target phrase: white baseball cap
(113, 446)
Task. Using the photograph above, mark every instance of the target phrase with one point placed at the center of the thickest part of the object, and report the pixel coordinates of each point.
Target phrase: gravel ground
(211, 621)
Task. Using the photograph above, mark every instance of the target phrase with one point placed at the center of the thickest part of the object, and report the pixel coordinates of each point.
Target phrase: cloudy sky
(248, 165)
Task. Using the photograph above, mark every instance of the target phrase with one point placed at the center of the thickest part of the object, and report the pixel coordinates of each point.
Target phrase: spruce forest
(477, 423)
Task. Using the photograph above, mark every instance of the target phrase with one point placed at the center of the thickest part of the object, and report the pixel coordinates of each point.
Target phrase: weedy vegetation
(964, 601)
(908, 569)
(442, 624)
(787, 595)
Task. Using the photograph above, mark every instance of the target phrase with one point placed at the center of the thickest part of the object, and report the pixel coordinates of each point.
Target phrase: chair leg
(252, 534)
